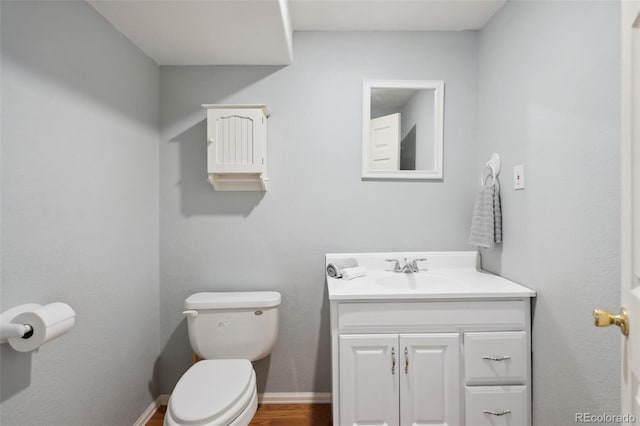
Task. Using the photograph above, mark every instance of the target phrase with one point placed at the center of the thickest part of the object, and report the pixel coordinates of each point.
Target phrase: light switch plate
(518, 177)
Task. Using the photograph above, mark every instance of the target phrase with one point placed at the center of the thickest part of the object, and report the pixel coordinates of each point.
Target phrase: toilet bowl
(227, 330)
(214, 392)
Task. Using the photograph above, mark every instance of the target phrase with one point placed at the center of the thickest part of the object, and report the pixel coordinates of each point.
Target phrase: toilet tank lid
(233, 299)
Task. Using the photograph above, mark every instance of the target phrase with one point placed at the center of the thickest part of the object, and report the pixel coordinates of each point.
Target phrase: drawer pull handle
(496, 358)
(406, 361)
(393, 360)
(495, 413)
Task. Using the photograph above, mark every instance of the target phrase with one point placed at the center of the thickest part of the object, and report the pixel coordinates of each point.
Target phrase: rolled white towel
(351, 273)
(334, 269)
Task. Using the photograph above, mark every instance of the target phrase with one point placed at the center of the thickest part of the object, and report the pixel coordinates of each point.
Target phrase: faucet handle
(414, 263)
(396, 266)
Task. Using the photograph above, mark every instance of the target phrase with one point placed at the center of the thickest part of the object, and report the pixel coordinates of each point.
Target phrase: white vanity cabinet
(443, 353)
(411, 378)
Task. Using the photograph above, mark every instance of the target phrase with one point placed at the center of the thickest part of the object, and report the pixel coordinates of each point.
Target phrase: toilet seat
(213, 392)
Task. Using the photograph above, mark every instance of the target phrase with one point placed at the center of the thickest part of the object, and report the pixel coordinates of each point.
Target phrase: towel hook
(484, 176)
(494, 165)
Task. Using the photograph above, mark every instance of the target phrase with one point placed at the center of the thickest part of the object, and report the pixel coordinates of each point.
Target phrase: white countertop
(449, 275)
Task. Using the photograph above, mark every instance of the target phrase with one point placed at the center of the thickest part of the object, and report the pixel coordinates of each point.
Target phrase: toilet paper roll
(49, 322)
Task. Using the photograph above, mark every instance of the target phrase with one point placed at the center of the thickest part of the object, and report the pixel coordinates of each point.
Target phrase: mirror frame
(438, 98)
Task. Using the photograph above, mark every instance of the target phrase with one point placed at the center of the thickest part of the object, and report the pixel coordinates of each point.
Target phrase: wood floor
(276, 415)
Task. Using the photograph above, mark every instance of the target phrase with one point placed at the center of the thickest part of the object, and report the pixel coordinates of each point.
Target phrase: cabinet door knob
(406, 360)
(496, 413)
(496, 358)
(393, 360)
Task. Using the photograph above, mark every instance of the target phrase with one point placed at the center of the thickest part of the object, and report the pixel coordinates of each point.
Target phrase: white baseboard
(294, 398)
(151, 409)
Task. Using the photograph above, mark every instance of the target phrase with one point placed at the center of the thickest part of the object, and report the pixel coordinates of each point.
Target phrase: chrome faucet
(409, 266)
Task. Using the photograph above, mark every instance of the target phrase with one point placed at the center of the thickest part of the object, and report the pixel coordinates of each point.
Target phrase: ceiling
(387, 97)
(259, 32)
(392, 15)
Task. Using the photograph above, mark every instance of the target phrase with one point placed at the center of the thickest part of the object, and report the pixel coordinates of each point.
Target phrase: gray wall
(549, 99)
(79, 213)
(317, 202)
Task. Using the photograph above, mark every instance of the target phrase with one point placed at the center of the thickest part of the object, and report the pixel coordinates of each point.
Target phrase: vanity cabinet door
(430, 379)
(369, 379)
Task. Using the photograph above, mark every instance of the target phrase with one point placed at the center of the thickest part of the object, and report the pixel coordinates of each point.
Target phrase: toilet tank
(233, 324)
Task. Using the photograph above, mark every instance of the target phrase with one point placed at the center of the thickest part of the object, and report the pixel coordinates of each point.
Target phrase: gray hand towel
(497, 213)
(486, 224)
(334, 269)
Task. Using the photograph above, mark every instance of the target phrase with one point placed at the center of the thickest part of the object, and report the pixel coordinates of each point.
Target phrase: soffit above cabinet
(259, 32)
(204, 32)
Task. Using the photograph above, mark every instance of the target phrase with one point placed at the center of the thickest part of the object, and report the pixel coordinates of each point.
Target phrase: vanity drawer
(496, 406)
(429, 316)
(495, 358)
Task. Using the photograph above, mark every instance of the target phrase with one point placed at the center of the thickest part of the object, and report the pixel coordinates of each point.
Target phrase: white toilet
(227, 331)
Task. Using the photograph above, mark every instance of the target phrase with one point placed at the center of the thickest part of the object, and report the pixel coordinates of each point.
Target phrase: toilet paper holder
(15, 328)
(9, 329)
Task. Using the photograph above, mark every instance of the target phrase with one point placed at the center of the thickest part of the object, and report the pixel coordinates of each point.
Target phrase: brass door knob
(604, 318)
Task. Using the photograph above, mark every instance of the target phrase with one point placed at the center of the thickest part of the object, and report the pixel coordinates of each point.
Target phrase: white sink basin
(414, 281)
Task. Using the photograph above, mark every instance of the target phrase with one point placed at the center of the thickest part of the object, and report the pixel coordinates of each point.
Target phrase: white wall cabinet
(439, 362)
(237, 147)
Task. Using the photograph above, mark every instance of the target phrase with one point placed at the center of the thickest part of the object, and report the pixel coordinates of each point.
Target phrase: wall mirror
(402, 129)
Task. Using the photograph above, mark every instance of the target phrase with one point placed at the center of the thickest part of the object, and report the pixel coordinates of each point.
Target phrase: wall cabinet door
(430, 391)
(369, 379)
(236, 140)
